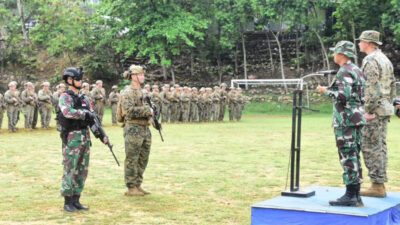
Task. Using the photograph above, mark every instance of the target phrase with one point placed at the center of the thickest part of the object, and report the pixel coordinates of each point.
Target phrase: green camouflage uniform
(194, 110)
(76, 150)
(379, 94)
(114, 98)
(137, 117)
(99, 96)
(239, 106)
(156, 97)
(166, 97)
(29, 99)
(215, 105)
(348, 119)
(208, 110)
(13, 106)
(223, 102)
(185, 106)
(201, 106)
(232, 102)
(45, 107)
(175, 110)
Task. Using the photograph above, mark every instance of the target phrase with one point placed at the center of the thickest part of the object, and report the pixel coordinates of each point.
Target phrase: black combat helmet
(74, 73)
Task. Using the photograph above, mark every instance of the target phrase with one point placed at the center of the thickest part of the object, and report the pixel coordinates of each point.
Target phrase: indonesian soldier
(137, 118)
(379, 94)
(114, 98)
(44, 96)
(194, 110)
(224, 100)
(29, 100)
(156, 97)
(99, 95)
(185, 104)
(11, 97)
(216, 101)
(348, 119)
(232, 102)
(165, 106)
(74, 117)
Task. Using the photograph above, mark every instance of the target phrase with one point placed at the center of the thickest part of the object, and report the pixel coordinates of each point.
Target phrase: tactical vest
(68, 125)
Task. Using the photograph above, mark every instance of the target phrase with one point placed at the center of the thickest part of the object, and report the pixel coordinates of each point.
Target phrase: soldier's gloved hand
(90, 117)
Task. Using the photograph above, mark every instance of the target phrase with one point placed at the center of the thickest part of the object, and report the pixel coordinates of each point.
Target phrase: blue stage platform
(317, 211)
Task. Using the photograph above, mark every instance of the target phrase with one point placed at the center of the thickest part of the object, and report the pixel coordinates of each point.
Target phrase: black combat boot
(359, 201)
(348, 199)
(68, 204)
(77, 204)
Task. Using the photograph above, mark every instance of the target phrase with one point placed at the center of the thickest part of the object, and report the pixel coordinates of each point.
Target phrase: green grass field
(207, 173)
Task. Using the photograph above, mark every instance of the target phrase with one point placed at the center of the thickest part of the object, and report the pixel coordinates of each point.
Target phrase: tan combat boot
(143, 191)
(376, 190)
(134, 192)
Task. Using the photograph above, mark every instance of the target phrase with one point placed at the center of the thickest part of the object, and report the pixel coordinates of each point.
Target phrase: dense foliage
(103, 37)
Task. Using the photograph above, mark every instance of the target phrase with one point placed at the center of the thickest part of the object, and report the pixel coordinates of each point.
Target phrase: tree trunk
(244, 60)
(353, 31)
(191, 64)
(270, 54)
(172, 74)
(280, 58)
(323, 49)
(22, 18)
(164, 70)
(219, 68)
(236, 60)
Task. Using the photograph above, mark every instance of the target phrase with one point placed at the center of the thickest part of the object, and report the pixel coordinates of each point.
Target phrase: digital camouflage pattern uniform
(348, 119)
(174, 106)
(29, 100)
(239, 105)
(216, 101)
(194, 110)
(232, 102)
(114, 98)
(166, 98)
(185, 106)
(224, 100)
(13, 106)
(76, 150)
(156, 97)
(379, 94)
(45, 107)
(137, 135)
(99, 96)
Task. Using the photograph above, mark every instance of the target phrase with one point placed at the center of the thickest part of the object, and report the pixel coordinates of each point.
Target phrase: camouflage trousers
(12, 114)
(185, 112)
(222, 111)
(137, 151)
(216, 110)
(45, 116)
(165, 113)
(76, 162)
(374, 148)
(231, 112)
(29, 110)
(1, 116)
(99, 109)
(35, 117)
(348, 142)
(194, 113)
(238, 112)
(174, 112)
(114, 113)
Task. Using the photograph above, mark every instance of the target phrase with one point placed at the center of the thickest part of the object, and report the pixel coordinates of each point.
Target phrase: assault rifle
(157, 124)
(98, 131)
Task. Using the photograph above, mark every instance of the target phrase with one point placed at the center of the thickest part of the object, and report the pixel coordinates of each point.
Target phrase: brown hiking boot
(376, 190)
(143, 191)
(134, 192)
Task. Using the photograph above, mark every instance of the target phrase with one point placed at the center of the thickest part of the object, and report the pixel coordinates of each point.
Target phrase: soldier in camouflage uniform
(74, 117)
(379, 94)
(232, 102)
(240, 101)
(208, 110)
(201, 104)
(216, 101)
(137, 117)
(85, 90)
(11, 97)
(165, 103)
(175, 105)
(224, 100)
(2, 107)
(114, 98)
(29, 100)
(56, 95)
(348, 119)
(185, 104)
(99, 95)
(156, 97)
(44, 97)
(194, 110)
